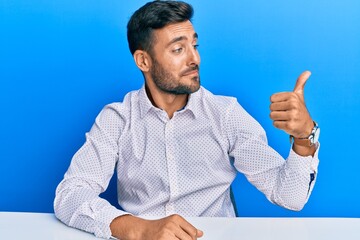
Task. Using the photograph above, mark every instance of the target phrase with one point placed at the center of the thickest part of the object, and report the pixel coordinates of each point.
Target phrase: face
(175, 59)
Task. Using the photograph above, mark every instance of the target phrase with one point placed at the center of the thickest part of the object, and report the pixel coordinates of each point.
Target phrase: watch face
(316, 135)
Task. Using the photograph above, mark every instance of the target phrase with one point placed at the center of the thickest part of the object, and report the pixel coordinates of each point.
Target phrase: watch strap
(306, 142)
(301, 141)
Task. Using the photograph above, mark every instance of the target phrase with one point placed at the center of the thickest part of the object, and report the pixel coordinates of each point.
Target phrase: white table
(14, 225)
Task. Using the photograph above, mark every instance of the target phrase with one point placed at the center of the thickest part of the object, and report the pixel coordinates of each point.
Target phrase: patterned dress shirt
(182, 165)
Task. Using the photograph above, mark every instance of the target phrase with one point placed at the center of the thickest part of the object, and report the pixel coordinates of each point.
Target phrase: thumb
(300, 83)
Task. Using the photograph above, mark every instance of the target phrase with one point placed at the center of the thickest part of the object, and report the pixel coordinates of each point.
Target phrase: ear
(142, 60)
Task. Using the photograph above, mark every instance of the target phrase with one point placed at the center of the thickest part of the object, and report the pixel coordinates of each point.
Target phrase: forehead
(175, 30)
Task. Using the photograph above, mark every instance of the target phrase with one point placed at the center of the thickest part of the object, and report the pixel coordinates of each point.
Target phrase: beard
(168, 83)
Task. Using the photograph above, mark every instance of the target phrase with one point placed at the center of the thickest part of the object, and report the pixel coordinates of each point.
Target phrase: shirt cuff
(310, 162)
(104, 219)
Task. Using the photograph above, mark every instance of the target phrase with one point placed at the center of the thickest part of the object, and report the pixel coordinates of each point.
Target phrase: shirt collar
(193, 104)
(144, 102)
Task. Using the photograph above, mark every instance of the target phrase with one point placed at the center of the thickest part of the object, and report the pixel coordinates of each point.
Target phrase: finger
(200, 233)
(280, 116)
(184, 229)
(301, 81)
(280, 97)
(190, 229)
(280, 124)
(181, 234)
(281, 106)
(172, 230)
(186, 234)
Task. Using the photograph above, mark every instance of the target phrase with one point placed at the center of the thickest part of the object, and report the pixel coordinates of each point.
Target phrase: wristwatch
(310, 140)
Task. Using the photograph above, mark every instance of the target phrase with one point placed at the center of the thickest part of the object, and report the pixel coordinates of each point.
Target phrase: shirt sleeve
(287, 183)
(77, 202)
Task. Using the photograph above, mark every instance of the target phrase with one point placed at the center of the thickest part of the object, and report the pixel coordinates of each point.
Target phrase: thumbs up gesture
(288, 110)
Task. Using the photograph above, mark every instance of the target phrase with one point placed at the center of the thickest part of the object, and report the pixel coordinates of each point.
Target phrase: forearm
(81, 207)
(122, 227)
(295, 181)
(77, 202)
(304, 150)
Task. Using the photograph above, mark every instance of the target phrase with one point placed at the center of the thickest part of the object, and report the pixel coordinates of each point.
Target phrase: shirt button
(169, 208)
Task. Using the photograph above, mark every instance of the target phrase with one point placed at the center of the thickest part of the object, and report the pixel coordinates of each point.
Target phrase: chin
(195, 84)
(193, 89)
(185, 89)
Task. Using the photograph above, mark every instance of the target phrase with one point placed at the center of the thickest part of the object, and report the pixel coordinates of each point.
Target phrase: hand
(289, 112)
(168, 228)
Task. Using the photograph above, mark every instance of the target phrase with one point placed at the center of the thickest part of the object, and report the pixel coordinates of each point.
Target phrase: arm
(289, 113)
(77, 202)
(285, 183)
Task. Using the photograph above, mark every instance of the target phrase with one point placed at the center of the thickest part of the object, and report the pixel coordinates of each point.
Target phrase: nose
(194, 57)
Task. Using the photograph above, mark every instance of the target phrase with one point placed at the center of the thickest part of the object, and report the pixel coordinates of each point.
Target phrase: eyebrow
(178, 39)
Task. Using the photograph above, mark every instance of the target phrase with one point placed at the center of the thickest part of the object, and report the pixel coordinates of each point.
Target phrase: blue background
(61, 61)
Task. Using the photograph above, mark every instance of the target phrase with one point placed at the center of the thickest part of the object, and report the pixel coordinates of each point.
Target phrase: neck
(168, 102)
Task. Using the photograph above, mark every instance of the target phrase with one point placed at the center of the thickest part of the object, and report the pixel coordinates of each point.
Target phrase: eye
(196, 46)
(178, 50)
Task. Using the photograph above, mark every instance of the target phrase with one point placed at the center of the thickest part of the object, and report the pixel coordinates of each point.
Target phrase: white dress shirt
(182, 165)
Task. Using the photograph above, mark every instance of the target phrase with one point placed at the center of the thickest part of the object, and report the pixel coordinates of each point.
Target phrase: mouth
(193, 71)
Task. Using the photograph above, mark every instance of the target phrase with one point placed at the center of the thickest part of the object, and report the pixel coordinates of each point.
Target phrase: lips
(191, 71)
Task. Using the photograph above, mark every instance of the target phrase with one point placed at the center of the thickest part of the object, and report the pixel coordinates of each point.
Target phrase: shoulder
(119, 110)
(217, 100)
(230, 111)
(219, 103)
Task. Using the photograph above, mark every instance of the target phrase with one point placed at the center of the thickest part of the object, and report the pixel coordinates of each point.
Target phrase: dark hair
(154, 15)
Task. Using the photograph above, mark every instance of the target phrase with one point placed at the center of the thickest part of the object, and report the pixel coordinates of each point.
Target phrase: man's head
(164, 45)
(151, 16)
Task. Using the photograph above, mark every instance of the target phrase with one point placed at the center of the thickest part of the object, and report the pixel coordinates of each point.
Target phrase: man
(177, 147)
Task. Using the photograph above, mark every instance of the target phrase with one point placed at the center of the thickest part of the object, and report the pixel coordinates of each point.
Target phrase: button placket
(171, 166)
